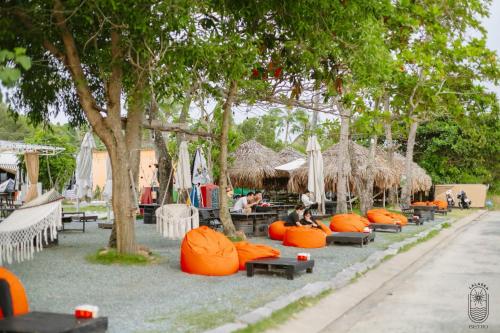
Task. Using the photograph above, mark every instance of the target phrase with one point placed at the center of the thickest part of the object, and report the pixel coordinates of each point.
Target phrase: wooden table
(426, 213)
(361, 238)
(67, 217)
(266, 217)
(281, 210)
(289, 266)
(385, 226)
(47, 322)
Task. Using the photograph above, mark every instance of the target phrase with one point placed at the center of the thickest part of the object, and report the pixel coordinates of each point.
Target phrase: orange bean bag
(440, 204)
(400, 219)
(17, 293)
(207, 252)
(304, 237)
(419, 203)
(248, 251)
(376, 216)
(277, 230)
(347, 223)
(325, 229)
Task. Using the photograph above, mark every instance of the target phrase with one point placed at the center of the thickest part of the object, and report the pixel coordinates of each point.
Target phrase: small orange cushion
(277, 230)
(304, 237)
(207, 252)
(248, 251)
(17, 293)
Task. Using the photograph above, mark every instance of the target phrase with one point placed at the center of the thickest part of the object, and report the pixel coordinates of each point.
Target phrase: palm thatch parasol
(289, 154)
(384, 175)
(253, 164)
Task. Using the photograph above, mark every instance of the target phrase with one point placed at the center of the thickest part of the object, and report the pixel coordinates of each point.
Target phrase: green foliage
(12, 127)
(11, 64)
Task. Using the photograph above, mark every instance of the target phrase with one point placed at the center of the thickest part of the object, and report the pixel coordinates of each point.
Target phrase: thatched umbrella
(252, 165)
(289, 154)
(384, 175)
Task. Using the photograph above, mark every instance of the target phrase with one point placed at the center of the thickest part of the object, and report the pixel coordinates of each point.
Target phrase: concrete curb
(340, 280)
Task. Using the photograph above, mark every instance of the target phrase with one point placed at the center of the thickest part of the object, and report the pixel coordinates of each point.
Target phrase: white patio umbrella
(84, 168)
(315, 176)
(107, 193)
(183, 173)
(200, 169)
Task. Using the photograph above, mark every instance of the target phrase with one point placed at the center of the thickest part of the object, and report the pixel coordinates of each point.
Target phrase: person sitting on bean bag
(308, 220)
(293, 219)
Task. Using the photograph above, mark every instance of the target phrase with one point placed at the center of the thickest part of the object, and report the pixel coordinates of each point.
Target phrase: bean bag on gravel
(277, 230)
(376, 216)
(17, 293)
(248, 251)
(325, 229)
(304, 237)
(347, 223)
(207, 252)
(440, 204)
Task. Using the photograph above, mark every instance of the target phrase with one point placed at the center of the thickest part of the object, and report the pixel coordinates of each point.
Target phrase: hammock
(175, 220)
(25, 230)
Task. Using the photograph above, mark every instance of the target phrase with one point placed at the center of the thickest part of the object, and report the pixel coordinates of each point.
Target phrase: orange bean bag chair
(440, 204)
(17, 293)
(377, 216)
(207, 252)
(347, 223)
(248, 251)
(419, 203)
(304, 237)
(325, 229)
(400, 219)
(277, 230)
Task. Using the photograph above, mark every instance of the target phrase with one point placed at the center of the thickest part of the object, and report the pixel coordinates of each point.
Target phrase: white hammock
(24, 230)
(175, 220)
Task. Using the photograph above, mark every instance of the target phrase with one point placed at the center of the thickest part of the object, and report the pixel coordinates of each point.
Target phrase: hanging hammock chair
(173, 221)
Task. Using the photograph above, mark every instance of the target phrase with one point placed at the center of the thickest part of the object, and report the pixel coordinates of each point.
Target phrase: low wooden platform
(360, 238)
(288, 266)
(385, 227)
(105, 225)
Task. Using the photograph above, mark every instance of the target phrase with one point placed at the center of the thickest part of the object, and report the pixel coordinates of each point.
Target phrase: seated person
(293, 219)
(308, 220)
(258, 197)
(245, 203)
(307, 200)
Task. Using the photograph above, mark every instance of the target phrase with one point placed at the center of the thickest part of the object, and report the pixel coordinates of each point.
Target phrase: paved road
(432, 295)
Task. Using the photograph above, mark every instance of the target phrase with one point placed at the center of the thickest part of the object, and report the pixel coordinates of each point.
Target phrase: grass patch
(284, 314)
(89, 208)
(236, 239)
(111, 257)
(204, 320)
(430, 235)
(445, 225)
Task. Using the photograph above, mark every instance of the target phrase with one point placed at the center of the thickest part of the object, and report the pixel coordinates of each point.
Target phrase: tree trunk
(343, 160)
(406, 191)
(366, 199)
(224, 215)
(392, 197)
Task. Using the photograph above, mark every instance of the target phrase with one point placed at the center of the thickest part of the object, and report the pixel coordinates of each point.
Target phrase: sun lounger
(361, 238)
(385, 227)
(289, 266)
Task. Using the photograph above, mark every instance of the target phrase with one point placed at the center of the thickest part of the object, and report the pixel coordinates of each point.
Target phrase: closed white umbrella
(200, 169)
(84, 167)
(315, 176)
(183, 173)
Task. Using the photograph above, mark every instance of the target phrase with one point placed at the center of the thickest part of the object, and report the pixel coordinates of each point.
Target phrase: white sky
(492, 25)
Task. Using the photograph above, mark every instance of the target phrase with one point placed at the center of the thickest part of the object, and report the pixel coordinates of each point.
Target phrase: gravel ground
(159, 297)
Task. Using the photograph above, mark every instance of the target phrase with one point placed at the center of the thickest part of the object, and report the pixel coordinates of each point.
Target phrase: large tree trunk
(406, 191)
(343, 159)
(392, 197)
(224, 215)
(366, 195)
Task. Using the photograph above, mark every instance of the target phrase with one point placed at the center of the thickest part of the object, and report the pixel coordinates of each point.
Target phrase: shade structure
(183, 173)
(200, 169)
(107, 193)
(84, 167)
(290, 166)
(32, 166)
(315, 176)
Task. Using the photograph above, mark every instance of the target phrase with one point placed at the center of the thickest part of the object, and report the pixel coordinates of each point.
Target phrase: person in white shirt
(243, 203)
(307, 201)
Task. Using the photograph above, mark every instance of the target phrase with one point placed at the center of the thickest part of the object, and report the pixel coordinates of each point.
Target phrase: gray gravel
(161, 298)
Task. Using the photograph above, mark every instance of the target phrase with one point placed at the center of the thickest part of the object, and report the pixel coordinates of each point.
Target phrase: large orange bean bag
(376, 216)
(400, 219)
(248, 251)
(440, 204)
(277, 230)
(17, 293)
(420, 203)
(207, 252)
(347, 223)
(304, 237)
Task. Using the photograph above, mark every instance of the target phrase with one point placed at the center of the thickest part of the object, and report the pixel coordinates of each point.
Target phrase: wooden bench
(361, 238)
(288, 266)
(385, 227)
(411, 216)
